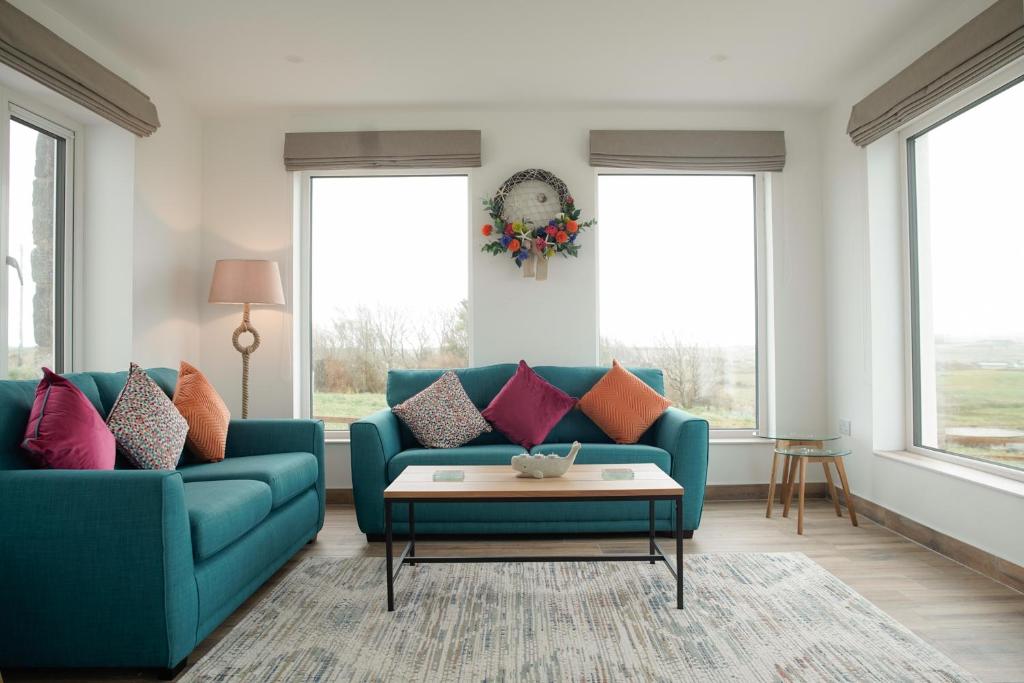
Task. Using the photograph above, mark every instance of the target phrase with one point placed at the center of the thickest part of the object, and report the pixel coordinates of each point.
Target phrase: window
(678, 287)
(35, 246)
(389, 285)
(966, 255)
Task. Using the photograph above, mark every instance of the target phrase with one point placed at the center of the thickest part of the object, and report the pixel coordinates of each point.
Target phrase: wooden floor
(975, 621)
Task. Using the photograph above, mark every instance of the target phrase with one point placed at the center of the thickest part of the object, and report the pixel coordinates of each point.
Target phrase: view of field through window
(390, 259)
(678, 287)
(969, 244)
(29, 264)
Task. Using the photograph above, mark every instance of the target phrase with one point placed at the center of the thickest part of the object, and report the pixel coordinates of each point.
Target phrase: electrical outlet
(844, 426)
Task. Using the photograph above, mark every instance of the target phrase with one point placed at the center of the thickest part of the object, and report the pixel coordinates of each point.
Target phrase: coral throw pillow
(150, 431)
(64, 430)
(622, 405)
(204, 411)
(528, 407)
(442, 416)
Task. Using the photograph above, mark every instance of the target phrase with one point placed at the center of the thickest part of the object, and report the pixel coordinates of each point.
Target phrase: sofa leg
(687, 533)
(312, 540)
(171, 673)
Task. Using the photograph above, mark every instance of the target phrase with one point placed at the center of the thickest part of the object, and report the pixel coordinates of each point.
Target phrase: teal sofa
(382, 447)
(133, 568)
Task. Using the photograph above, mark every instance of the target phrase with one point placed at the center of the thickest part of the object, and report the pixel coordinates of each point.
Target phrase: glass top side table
(796, 450)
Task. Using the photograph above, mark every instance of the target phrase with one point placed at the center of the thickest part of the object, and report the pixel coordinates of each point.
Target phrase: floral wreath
(521, 238)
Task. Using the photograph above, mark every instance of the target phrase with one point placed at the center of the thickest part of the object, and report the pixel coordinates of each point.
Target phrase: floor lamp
(246, 282)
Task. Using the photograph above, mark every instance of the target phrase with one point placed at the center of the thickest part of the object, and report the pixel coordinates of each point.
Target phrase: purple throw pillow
(528, 407)
(64, 431)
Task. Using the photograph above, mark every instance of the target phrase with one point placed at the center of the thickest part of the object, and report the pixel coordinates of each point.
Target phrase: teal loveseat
(382, 447)
(133, 568)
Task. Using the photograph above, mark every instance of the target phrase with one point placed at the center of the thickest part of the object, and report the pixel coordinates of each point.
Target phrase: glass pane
(390, 279)
(678, 288)
(31, 244)
(969, 245)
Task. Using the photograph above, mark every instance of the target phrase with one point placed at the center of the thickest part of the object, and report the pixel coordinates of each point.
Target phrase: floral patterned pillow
(442, 416)
(149, 430)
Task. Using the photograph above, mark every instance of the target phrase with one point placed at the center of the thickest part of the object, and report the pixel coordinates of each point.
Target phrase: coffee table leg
(412, 534)
(651, 512)
(679, 552)
(388, 551)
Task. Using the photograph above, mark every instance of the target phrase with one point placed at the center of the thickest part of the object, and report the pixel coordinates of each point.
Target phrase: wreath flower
(557, 237)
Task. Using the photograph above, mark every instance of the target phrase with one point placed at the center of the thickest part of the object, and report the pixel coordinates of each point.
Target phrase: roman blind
(382, 149)
(39, 53)
(689, 150)
(984, 45)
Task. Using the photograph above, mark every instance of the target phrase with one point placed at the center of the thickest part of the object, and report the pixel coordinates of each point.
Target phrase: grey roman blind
(988, 42)
(382, 149)
(689, 150)
(39, 53)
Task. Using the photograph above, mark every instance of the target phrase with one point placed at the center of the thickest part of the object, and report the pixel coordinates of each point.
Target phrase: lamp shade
(246, 281)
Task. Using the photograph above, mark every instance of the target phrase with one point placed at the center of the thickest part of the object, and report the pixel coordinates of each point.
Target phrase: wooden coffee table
(499, 483)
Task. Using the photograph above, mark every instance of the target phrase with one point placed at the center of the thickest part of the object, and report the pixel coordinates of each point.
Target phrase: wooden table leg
(832, 486)
(389, 563)
(841, 468)
(771, 486)
(803, 485)
(791, 480)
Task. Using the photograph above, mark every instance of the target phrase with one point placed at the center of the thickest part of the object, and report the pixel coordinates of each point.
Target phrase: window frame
(68, 133)
(303, 279)
(1009, 77)
(762, 221)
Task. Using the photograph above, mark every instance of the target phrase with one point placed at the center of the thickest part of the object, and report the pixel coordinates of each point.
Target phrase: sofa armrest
(685, 437)
(375, 440)
(87, 548)
(260, 437)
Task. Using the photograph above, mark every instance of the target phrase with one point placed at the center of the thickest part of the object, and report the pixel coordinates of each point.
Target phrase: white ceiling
(226, 54)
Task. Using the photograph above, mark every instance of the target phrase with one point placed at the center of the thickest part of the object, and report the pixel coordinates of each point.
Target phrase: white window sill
(962, 472)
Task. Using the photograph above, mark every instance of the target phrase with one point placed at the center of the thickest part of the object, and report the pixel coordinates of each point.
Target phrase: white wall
(863, 262)
(248, 212)
(142, 213)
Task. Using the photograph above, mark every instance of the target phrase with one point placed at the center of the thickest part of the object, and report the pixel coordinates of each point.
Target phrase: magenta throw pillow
(528, 407)
(64, 430)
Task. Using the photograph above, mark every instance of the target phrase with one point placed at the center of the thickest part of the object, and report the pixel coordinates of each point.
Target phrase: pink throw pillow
(64, 430)
(528, 407)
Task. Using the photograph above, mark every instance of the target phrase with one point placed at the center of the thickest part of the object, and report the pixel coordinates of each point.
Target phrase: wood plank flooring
(974, 620)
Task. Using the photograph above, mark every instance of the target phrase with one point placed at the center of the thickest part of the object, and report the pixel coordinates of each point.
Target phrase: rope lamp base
(246, 351)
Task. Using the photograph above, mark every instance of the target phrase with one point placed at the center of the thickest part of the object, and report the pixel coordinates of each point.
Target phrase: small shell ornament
(540, 466)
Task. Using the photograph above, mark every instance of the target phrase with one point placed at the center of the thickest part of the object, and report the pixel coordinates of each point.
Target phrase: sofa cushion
(611, 454)
(204, 411)
(65, 431)
(490, 454)
(623, 405)
(442, 416)
(150, 431)
(527, 407)
(220, 512)
(287, 474)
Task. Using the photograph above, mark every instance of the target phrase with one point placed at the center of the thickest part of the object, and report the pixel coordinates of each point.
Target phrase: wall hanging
(533, 218)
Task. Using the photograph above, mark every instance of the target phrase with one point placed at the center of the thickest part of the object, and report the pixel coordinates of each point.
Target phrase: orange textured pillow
(622, 405)
(207, 416)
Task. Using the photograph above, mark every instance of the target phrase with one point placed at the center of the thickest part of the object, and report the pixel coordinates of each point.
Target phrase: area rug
(748, 617)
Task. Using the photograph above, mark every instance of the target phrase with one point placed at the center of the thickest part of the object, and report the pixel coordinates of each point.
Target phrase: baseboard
(996, 568)
(339, 497)
(758, 491)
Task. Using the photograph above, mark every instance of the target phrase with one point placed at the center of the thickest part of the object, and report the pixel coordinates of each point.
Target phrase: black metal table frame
(409, 557)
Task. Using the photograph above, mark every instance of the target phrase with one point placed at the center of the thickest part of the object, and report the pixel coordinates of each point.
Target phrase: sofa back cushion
(101, 388)
(16, 398)
(483, 383)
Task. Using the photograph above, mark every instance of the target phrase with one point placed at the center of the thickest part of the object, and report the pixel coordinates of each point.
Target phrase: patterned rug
(748, 617)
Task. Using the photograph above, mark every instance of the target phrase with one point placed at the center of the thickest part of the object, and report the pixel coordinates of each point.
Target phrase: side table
(795, 452)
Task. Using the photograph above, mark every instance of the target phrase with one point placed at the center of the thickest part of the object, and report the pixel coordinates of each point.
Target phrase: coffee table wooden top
(416, 482)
